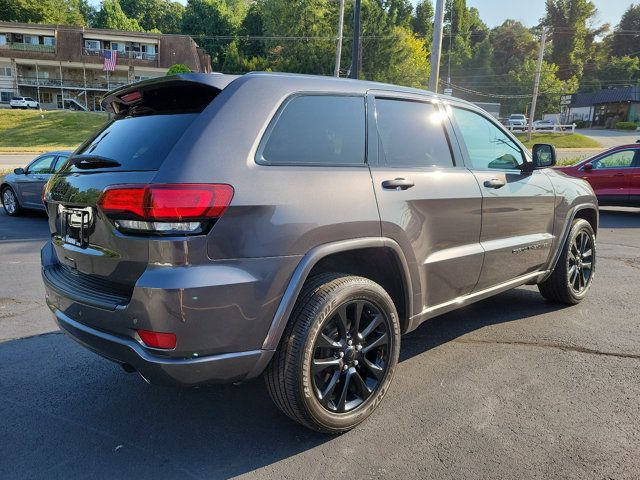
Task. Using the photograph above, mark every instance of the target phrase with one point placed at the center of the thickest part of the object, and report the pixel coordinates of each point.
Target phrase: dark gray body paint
(228, 295)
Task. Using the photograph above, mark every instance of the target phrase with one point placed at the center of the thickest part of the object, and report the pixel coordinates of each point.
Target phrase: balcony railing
(127, 54)
(65, 83)
(29, 47)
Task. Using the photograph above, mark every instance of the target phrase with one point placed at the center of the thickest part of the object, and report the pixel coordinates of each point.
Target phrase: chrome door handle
(494, 183)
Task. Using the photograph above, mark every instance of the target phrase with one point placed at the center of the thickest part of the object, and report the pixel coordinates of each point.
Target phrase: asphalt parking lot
(511, 387)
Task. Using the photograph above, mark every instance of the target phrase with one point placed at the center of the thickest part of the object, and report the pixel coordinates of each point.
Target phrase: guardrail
(127, 54)
(58, 83)
(29, 47)
(555, 128)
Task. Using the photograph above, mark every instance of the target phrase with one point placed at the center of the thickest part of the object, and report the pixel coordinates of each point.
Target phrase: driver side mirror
(588, 167)
(544, 155)
(19, 171)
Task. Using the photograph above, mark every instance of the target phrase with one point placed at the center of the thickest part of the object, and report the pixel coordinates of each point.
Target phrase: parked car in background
(378, 208)
(614, 175)
(22, 189)
(543, 124)
(23, 102)
(516, 121)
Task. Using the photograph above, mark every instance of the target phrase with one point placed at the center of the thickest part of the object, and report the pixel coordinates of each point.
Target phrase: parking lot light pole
(355, 51)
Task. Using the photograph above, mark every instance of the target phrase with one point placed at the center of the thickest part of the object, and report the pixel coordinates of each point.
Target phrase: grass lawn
(560, 140)
(35, 131)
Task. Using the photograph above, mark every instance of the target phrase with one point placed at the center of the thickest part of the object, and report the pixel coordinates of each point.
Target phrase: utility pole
(355, 51)
(536, 84)
(437, 46)
(336, 71)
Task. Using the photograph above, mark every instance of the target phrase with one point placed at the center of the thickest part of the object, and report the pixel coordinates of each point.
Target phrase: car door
(634, 182)
(610, 176)
(30, 184)
(517, 207)
(428, 202)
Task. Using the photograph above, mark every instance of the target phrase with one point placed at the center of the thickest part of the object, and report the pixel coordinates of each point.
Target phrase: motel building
(64, 66)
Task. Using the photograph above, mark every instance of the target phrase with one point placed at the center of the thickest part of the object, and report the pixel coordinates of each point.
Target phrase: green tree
(569, 33)
(204, 19)
(161, 15)
(512, 45)
(551, 88)
(178, 68)
(612, 72)
(624, 41)
(65, 12)
(88, 12)
(422, 22)
(111, 16)
(399, 11)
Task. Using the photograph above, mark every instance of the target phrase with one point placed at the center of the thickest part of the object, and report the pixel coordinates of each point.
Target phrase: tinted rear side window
(316, 129)
(137, 143)
(411, 134)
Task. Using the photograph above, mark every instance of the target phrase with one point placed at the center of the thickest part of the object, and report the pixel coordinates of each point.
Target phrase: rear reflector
(165, 208)
(158, 339)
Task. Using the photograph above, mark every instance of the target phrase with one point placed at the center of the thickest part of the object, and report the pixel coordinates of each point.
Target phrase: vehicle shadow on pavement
(620, 218)
(67, 412)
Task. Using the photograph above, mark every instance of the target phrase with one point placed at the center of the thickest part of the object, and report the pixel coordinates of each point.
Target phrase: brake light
(158, 339)
(165, 208)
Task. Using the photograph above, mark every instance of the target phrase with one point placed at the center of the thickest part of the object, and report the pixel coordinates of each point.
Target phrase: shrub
(582, 124)
(178, 68)
(626, 126)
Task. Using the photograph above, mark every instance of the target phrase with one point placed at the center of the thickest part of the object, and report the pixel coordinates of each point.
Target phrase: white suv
(516, 121)
(23, 102)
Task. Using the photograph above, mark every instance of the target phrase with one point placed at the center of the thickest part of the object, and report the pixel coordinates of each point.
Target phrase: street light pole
(336, 71)
(355, 51)
(436, 49)
(536, 84)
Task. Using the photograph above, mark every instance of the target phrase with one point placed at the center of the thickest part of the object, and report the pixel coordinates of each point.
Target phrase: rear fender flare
(307, 263)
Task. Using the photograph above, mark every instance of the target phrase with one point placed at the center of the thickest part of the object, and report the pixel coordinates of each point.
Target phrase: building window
(92, 44)
(45, 97)
(5, 96)
(5, 71)
(51, 41)
(31, 39)
(3, 39)
(117, 46)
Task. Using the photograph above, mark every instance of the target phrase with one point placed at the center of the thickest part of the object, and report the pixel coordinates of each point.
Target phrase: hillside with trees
(478, 62)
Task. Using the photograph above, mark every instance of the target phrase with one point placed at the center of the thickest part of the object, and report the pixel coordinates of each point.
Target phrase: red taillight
(158, 339)
(166, 202)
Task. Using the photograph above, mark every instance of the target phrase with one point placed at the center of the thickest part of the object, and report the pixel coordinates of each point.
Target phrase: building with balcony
(63, 66)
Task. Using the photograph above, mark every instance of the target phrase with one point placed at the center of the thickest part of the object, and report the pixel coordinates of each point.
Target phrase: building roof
(609, 95)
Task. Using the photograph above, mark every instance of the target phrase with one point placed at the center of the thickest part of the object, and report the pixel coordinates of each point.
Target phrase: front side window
(487, 145)
(316, 129)
(41, 166)
(623, 159)
(59, 163)
(411, 134)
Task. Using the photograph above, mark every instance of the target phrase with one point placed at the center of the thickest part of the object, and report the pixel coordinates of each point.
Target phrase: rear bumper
(223, 368)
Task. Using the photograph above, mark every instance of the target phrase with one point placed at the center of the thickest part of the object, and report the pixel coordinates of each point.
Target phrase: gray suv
(226, 227)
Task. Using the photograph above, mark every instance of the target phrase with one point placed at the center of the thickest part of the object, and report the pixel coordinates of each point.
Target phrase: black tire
(573, 274)
(322, 303)
(17, 209)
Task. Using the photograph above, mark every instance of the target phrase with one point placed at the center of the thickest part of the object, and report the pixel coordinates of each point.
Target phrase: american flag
(110, 57)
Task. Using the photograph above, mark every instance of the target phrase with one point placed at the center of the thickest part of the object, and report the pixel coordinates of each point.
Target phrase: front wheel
(573, 275)
(338, 354)
(10, 202)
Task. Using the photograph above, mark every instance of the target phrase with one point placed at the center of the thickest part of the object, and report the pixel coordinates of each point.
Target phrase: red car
(614, 175)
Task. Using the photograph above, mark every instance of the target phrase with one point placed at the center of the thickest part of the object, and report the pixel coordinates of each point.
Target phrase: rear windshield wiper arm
(92, 161)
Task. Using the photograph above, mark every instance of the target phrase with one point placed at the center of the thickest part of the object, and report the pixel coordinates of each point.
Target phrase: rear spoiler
(184, 92)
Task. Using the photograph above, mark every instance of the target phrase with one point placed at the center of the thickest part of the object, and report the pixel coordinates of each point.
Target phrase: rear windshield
(135, 143)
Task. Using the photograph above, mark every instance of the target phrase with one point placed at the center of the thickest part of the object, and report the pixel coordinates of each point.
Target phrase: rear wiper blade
(92, 161)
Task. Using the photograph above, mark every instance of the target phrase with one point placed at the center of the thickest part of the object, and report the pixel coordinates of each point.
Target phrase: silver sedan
(22, 189)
